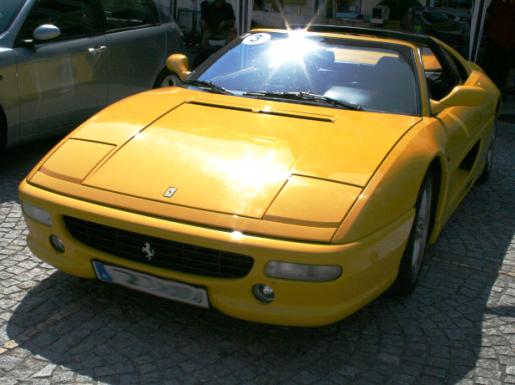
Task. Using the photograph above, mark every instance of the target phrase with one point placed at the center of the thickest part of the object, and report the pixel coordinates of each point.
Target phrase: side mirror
(46, 32)
(460, 96)
(179, 64)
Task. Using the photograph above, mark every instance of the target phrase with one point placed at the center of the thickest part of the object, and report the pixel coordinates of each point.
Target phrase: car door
(461, 123)
(62, 81)
(137, 45)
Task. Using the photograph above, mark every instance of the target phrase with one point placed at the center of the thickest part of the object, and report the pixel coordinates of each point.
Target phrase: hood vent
(216, 105)
(267, 111)
(288, 114)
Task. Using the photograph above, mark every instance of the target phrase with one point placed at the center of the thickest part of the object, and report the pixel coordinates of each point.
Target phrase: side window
(121, 14)
(440, 72)
(456, 65)
(75, 18)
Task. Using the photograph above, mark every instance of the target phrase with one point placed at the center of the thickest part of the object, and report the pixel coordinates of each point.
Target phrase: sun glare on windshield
(293, 49)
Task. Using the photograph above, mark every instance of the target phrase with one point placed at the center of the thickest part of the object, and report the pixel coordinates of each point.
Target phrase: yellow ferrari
(290, 179)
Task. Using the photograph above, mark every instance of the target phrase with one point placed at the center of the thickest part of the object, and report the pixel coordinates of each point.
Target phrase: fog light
(302, 272)
(56, 243)
(37, 213)
(263, 293)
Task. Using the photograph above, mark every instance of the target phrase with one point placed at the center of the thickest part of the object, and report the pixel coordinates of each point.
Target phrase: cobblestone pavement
(457, 328)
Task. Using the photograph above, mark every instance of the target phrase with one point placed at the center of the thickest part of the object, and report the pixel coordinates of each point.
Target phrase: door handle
(97, 50)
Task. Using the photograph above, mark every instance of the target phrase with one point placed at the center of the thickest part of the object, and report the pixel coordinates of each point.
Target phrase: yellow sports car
(290, 179)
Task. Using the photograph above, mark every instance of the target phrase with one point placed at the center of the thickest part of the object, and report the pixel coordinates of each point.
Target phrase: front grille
(167, 254)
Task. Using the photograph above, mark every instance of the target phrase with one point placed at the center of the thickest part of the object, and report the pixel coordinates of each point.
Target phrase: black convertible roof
(415, 38)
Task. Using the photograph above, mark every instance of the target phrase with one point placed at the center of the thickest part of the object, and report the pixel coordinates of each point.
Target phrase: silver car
(63, 60)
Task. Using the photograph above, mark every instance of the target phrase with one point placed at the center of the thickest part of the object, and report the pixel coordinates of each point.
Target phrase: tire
(3, 131)
(413, 258)
(487, 170)
(166, 79)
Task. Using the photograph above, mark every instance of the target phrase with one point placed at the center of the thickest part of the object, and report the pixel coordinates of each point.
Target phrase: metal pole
(477, 22)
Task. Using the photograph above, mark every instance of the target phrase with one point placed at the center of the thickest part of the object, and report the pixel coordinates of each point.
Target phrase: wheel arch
(438, 169)
(410, 265)
(162, 75)
(3, 128)
(498, 108)
(393, 189)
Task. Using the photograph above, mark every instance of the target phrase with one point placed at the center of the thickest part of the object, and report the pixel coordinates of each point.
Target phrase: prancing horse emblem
(169, 192)
(148, 250)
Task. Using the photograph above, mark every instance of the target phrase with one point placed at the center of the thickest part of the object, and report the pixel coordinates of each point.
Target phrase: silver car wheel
(421, 229)
(490, 153)
(169, 80)
(489, 158)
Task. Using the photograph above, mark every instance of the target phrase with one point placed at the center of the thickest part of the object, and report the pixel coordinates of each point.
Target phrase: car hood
(221, 153)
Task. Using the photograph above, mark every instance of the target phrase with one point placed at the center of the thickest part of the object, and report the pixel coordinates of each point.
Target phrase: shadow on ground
(16, 162)
(449, 330)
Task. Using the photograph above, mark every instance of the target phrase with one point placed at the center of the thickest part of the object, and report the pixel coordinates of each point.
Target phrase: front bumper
(369, 265)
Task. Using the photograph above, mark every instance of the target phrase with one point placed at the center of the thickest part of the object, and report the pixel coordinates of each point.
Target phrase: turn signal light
(37, 213)
(302, 272)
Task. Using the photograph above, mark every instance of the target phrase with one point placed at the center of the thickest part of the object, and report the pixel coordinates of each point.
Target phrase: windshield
(8, 10)
(374, 76)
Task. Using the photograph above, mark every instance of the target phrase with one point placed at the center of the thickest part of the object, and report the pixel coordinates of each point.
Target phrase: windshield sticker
(256, 39)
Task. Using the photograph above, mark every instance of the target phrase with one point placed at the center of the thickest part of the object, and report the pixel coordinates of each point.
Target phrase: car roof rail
(418, 39)
(415, 38)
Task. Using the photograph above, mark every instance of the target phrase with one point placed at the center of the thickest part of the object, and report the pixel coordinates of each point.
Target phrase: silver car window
(8, 10)
(121, 14)
(75, 18)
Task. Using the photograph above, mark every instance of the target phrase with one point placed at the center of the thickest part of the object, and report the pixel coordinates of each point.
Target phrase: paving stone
(9, 381)
(45, 372)
(389, 358)
(456, 328)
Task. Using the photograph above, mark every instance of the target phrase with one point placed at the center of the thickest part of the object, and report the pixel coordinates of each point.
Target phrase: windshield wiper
(304, 96)
(209, 85)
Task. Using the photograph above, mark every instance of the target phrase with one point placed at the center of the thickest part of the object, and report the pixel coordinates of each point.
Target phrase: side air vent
(470, 158)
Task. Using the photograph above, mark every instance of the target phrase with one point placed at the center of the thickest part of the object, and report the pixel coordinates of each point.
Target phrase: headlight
(305, 199)
(302, 272)
(37, 213)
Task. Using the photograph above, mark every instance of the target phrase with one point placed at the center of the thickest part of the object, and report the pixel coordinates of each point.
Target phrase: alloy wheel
(422, 225)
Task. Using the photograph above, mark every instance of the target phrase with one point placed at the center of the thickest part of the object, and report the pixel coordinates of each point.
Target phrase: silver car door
(62, 81)
(137, 45)
(9, 99)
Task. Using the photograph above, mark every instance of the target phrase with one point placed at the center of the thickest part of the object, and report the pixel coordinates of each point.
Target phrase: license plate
(164, 288)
